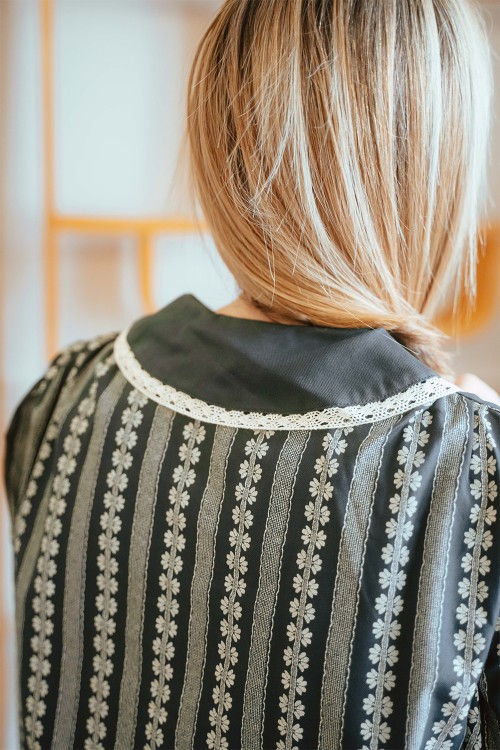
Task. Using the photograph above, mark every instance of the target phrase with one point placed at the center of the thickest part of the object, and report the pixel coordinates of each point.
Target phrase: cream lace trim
(416, 395)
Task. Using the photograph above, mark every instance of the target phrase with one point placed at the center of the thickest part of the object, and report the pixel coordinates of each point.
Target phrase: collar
(212, 366)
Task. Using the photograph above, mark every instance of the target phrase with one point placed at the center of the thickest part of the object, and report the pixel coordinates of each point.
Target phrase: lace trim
(335, 417)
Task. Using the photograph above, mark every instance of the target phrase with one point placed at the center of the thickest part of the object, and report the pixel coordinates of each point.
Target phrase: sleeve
(489, 682)
(35, 415)
(27, 423)
(489, 686)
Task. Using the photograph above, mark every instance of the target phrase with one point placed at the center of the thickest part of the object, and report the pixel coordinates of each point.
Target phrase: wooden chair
(471, 321)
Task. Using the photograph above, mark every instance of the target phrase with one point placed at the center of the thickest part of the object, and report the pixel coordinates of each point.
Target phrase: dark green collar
(260, 366)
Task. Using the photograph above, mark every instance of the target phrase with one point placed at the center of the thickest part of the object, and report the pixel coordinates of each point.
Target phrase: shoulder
(480, 419)
(476, 408)
(487, 413)
(33, 424)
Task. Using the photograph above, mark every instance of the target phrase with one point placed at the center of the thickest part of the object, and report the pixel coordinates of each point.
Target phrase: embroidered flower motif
(332, 465)
(251, 495)
(326, 489)
(256, 471)
(484, 564)
(259, 450)
(460, 639)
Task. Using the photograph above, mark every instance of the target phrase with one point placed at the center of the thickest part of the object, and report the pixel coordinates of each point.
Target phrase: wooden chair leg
(146, 271)
(51, 273)
(467, 321)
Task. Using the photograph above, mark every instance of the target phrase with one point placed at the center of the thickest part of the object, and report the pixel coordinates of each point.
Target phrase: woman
(276, 525)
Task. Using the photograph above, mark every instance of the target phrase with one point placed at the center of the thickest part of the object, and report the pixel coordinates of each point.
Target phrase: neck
(241, 308)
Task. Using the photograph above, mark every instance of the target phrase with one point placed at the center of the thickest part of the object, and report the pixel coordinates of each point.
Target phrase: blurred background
(95, 221)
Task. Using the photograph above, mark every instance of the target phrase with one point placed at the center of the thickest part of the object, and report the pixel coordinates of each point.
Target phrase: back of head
(338, 151)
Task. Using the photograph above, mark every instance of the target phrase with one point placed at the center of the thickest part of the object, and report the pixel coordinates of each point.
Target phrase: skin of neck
(241, 308)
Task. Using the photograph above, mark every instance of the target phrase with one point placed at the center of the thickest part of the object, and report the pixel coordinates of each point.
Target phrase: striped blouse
(232, 533)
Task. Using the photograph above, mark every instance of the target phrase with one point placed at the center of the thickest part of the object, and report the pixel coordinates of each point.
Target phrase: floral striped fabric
(194, 581)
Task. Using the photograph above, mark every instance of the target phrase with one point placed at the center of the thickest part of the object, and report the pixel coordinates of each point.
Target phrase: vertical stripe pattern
(203, 572)
(381, 680)
(233, 602)
(172, 564)
(142, 530)
(338, 653)
(44, 587)
(269, 578)
(426, 636)
(74, 614)
(302, 608)
(468, 640)
(105, 622)
(197, 576)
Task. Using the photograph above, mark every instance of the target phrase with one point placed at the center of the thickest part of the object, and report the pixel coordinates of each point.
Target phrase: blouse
(233, 533)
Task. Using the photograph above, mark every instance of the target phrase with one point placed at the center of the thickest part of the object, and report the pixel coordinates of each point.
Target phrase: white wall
(481, 353)
(120, 77)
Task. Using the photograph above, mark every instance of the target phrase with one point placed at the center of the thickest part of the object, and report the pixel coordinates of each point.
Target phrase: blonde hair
(338, 150)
